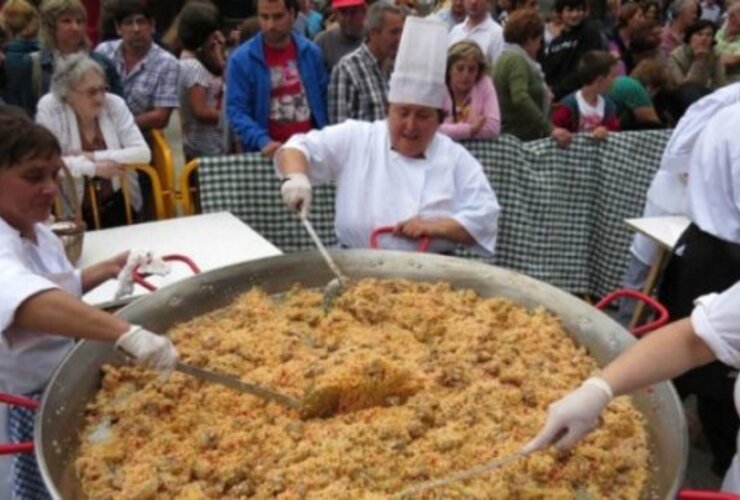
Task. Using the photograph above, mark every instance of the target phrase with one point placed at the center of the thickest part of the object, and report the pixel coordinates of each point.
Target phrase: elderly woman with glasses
(63, 32)
(97, 134)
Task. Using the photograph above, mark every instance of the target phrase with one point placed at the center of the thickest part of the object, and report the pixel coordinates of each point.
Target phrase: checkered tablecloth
(562, 215)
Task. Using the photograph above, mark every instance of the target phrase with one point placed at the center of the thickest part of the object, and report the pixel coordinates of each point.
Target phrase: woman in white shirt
(400, 171)
(711, 332)
(40, 308)
(97, 133)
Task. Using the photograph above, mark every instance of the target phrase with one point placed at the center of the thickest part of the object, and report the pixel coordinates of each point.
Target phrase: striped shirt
(152, 83)
(358, 88)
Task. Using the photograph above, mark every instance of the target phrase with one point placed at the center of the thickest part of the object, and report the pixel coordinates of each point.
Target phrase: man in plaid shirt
(148, 72)
(358, 89)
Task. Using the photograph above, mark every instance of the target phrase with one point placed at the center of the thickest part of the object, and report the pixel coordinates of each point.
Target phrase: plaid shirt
(152, 83)
(358, 89)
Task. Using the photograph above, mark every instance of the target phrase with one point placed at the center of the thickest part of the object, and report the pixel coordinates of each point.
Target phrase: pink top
(483, 102)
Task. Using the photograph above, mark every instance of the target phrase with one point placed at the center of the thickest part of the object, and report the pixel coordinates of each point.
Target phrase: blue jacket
(248, 89)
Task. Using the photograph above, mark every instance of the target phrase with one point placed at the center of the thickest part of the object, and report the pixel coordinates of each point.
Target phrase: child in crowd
(471, 104)
(202, 64)
(588, 109)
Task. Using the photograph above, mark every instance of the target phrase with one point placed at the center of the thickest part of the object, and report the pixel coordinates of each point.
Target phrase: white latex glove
(573, 416)
(152, 351)
(296, 191)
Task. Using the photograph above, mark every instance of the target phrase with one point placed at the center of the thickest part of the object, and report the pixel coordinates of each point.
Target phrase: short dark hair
(653, 73)
(523, 26)
(697, 26)
(127, 8)
(593, 64)
(644, 39)
(626, 13)
(560, 5)
(290, 5)
(21, 138)
(197, 21)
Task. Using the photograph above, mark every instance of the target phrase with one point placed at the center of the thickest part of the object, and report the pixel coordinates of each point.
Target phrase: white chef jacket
(716, 319)
(667, 194)
(27, 359)
(714, 176)
(489, 36)
(377, 186)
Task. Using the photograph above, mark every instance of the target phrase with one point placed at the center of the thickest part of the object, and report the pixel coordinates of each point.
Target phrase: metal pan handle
(423, 246)
(141, 280)
(11, 400)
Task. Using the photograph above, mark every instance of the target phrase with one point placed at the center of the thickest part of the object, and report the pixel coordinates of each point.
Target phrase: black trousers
(701, 264)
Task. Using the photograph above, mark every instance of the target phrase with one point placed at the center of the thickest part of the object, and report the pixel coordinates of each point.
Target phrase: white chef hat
(419, 71)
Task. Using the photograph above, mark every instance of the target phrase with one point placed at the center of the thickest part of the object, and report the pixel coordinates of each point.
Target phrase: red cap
(338, 4)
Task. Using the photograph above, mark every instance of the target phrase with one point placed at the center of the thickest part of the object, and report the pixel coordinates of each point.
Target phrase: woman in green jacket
(523, 96)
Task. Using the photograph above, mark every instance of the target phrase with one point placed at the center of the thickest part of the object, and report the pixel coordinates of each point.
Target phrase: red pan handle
(706, 495)
(424, 241)
(13, 448)
(138, 278)
(663, 316)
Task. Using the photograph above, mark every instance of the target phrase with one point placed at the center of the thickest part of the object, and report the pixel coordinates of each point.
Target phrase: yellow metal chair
(188, 192)
(164, 165)
(160, 211)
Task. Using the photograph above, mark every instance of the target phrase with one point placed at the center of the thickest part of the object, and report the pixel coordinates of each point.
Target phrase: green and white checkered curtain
(562, 217)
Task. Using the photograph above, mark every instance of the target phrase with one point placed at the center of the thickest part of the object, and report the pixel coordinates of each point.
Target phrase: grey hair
(376, 13)
(69, 72)
(679, 6)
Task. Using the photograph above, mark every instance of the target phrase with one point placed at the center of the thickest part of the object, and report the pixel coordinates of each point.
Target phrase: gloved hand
(296, 191)
(148, 349)
(573, 416)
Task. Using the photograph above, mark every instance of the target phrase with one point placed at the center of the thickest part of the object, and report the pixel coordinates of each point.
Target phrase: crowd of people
(375, 97)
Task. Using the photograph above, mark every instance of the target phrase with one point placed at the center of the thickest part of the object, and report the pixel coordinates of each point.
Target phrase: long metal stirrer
(322, 249)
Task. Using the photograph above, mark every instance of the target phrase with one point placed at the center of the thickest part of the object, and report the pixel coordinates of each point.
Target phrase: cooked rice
(432, 380)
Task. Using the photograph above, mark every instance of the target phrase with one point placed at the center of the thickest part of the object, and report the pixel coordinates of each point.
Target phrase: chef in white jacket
(705, 261)
(399, 171)
(711, 332)
(40, 308)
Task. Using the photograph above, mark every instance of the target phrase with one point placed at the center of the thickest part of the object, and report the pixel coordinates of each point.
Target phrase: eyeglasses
(91, 92)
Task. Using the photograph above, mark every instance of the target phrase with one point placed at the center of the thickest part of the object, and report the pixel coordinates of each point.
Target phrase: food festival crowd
(378, 98)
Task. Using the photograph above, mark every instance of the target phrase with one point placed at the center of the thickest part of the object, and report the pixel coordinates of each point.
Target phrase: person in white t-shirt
(41, 313)
(480, 27)
(589, 109)
(711, 332)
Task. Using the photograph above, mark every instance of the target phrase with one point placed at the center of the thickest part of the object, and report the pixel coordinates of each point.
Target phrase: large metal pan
(77, 379)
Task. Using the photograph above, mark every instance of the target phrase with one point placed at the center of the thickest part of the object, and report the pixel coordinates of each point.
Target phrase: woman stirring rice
(40, 308)
(398, 171)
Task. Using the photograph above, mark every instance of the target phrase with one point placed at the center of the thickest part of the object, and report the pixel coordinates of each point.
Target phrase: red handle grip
(138, 278)
(706, 495)
(423, 246)
(13, 448)
(663, 316)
